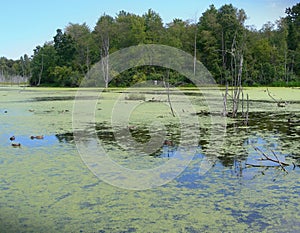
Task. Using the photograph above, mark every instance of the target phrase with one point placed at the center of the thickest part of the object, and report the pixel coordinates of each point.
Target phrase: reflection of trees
(65, 137)
(105, 132)
(107, 135)
(234, 153)
(284, 124)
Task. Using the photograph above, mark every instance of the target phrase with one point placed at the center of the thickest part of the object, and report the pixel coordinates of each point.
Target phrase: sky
(26, 24)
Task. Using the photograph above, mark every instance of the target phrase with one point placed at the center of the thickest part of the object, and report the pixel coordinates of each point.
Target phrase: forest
(271, 55)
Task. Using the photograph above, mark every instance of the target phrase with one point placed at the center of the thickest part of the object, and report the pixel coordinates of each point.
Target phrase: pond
(47, 186)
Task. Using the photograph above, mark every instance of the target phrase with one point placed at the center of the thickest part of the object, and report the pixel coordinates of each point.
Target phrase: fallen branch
(279, 103)
(259, 165)
(266, 157)
(280, 163)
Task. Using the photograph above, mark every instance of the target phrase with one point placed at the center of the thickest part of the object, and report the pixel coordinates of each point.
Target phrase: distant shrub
(284, 84)
(250, 83)
(186, 85)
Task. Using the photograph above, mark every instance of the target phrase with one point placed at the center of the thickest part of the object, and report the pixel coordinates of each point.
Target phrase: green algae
(46, 187)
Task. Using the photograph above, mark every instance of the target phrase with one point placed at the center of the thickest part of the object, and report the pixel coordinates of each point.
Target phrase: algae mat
(46, 187)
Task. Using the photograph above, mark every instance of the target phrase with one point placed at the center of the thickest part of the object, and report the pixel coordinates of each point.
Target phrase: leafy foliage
(271, 55)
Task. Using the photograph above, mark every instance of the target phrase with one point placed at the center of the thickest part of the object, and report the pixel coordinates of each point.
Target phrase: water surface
(46, 187)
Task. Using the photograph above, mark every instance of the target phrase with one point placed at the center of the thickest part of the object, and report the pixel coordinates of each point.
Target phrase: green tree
(176, 34)
(65, 48)
(221, 41)
(153, 27)
(104, 34)
(130, 30)
(209, 42)
(85, 46)
(232, 31)
(65, 76)
(293, 38)
(26, 67)
(43, 62)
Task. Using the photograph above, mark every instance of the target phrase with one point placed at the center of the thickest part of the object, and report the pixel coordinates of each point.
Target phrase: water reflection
(65, 137)
(282, 127)
(236, 167)
(26, 141)
(267, 132)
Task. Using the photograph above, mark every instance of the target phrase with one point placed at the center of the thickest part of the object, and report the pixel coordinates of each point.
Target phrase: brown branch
(279, 103)
(258, 165)
(269, 94)
(266, 157)
(280, 163)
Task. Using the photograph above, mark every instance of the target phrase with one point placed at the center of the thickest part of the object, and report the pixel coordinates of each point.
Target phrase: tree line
(219, 39)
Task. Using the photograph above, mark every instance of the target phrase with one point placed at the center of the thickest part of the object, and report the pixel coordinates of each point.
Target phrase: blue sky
(27, 23)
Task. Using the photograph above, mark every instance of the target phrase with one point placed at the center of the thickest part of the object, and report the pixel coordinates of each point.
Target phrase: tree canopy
(271, 55)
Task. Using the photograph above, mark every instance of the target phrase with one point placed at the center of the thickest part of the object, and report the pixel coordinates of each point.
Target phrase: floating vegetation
(135, 96)
(46, 187)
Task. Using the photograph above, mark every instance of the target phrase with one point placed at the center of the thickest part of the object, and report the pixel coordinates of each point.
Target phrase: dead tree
(237, 62)
(279, 103)
(195, 51)
(105, 59)
(167, 86)
(104, 30)
(41, 72)
(247, 111)
(225, 101)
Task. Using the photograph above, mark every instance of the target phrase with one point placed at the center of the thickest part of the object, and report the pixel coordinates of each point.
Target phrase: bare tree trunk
(41, 72)
(105, 60)
(23, 68)
(195, 45)
(238, 88)
(87, 59)
(247, 113)
(293, 60)
(243, 114)
(167, 86)
(285, 66)
(223, 53)
(225, 101)
(195, 52)
(105, 70)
